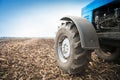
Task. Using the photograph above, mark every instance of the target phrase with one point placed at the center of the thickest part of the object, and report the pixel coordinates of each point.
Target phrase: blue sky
(35, 18)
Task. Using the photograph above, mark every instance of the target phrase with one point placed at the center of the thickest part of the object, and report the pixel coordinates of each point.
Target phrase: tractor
(97, 30)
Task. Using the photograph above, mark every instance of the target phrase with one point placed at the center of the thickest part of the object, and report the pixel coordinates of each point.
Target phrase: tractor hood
(96, 4)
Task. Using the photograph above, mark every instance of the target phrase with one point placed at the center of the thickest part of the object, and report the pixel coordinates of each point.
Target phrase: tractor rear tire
(70, 57)
(108, 53)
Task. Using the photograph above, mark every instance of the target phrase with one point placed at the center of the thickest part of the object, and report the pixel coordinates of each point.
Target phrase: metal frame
(109, 35)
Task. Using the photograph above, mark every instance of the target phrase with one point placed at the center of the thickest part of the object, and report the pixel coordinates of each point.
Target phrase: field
(33, 59)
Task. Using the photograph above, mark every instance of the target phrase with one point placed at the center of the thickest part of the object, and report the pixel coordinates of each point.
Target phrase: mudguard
(88, 36)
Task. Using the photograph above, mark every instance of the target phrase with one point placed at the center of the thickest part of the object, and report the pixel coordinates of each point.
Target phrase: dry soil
(33, 59)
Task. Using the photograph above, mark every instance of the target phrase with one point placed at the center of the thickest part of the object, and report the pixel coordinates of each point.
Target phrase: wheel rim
(64, 50)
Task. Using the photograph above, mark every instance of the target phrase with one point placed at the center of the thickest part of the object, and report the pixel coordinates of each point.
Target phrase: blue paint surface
(88, 10)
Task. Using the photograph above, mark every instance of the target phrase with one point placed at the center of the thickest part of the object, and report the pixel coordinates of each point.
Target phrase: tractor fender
(87, 33)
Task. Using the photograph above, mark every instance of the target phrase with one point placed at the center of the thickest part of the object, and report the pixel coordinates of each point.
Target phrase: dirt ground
(33, 59)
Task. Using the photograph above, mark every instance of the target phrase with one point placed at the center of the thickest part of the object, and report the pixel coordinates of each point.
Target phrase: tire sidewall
(104, 56)
(64, 32)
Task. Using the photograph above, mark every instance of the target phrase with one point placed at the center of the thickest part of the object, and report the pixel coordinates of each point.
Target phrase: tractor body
(97, 30)
(105, 17)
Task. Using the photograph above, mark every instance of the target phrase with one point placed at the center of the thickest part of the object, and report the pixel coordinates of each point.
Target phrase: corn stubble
(33, 59)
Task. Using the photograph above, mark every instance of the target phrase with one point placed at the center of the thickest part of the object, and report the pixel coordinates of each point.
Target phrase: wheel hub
(64, 50)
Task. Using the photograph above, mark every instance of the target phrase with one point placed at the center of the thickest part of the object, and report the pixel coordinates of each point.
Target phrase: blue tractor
(98, 30)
